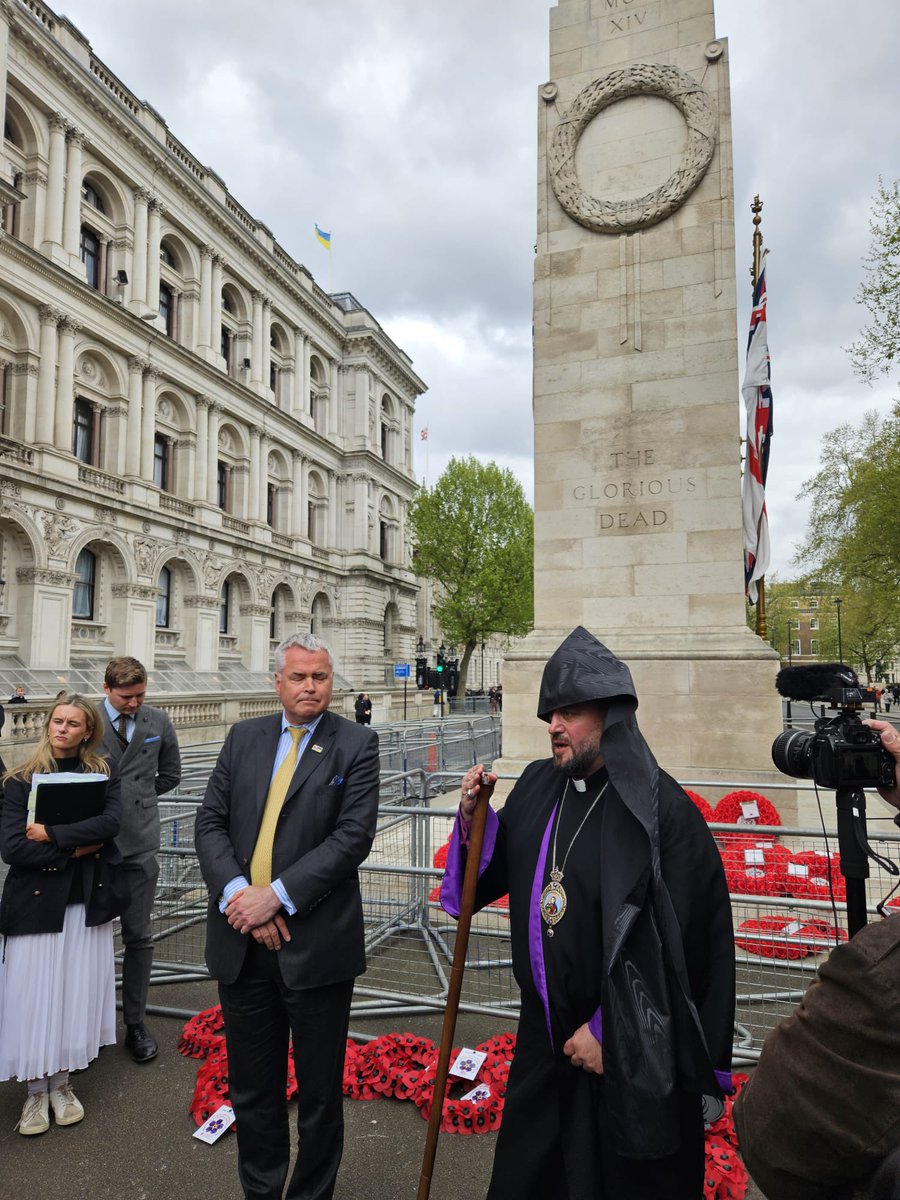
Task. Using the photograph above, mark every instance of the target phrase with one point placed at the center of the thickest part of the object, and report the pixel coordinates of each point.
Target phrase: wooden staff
(466, 908)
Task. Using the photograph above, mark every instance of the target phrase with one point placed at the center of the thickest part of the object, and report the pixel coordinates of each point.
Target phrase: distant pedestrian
(359, 708)
(18, 696)
(438, 703)
(367, 709)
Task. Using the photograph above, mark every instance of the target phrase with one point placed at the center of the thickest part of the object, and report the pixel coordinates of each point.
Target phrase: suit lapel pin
(318, 749)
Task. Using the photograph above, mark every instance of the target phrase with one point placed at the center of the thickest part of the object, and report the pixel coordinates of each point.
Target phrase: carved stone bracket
(51, 578)
(135, 591)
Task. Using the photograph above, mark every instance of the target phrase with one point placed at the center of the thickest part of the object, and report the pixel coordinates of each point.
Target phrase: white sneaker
(35, 1116)
(67, 1108)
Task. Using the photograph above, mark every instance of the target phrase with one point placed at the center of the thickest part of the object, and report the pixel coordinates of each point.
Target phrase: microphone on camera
(814, 681)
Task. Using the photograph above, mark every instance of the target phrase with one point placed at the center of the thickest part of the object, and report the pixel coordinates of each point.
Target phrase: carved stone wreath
(644, 79)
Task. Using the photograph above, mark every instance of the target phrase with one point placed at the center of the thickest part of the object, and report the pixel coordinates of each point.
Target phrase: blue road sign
(401, 670)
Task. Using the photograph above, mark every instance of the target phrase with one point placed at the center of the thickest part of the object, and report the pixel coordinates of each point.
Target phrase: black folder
(66, 803)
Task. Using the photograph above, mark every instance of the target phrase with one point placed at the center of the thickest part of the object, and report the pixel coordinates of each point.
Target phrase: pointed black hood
(583, 670)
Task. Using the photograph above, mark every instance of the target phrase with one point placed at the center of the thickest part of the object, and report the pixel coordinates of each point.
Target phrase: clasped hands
(36, 832)
(255, 910)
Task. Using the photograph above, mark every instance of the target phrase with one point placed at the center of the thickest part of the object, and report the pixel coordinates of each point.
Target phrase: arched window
(164, 599)
(161, 456)
(91, 196)
(167, 308)
(85, 577)
(225, 607)
(83, 432)
(90, 256)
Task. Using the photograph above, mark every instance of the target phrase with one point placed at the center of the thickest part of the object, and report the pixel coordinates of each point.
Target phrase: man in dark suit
(143, 744)
(288, 816)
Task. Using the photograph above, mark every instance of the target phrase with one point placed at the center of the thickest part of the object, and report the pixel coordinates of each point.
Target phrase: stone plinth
(636, 386)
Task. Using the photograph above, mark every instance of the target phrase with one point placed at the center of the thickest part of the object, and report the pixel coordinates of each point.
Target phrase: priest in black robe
(622, 947)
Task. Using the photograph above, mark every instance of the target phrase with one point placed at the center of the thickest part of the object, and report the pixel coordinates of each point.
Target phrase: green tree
(878, 349)
(853, 538)
(474, 534)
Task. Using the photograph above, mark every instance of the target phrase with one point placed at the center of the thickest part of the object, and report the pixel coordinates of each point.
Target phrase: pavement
(136, 1142)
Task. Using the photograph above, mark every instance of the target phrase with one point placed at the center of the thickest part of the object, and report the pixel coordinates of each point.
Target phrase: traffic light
(434, 678)
(452, 675)
(421, 672)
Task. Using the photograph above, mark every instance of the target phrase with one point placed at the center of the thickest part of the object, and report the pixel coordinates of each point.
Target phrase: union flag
(757, 394)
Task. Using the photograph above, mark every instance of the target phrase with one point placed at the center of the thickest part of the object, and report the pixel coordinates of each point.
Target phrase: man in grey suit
(142, 742)
(288, 816)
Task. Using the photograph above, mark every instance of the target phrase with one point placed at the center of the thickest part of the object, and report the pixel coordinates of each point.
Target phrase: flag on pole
(324, 238)
(758, 401)
(424, 434)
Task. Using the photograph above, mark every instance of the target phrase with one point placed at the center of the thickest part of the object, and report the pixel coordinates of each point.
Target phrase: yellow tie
(261, 862)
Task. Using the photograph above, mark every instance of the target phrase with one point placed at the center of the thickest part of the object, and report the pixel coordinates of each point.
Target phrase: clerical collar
(590, 782)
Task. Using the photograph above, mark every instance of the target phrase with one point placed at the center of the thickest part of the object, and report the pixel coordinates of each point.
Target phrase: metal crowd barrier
(409, 939)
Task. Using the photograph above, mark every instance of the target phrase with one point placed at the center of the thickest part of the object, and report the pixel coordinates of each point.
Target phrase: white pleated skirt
(57, 998)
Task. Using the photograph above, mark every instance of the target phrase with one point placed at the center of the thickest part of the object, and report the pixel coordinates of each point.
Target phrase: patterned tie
(261, 861)
(121, 730)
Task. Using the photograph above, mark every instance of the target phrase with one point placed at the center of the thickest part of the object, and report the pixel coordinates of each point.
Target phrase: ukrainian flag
(324, 238)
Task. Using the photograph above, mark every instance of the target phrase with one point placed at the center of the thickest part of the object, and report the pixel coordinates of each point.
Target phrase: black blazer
(39, 882)
(324, 832)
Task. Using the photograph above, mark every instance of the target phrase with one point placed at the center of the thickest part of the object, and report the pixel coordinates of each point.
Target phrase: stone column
(103, 265)
(45, 641)
(201, 405)
(212, 453)
(46, 391)
(139, 259)
(299, 401)
(136, 368)
(206, 257)
(256, 350)
(56, 169)
(334, 399)
(363, 400)
(253, 497)
(65, 386)
(360, 512)
(148, 422)
(185, 482)
(298, 500)
(266, 344)
(72, 202)
(176, 314)
(153, 230)
(332, 533)
(263, 501)
(215, 304)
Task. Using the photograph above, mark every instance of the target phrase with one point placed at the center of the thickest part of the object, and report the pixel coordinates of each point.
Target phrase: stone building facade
(200, 450)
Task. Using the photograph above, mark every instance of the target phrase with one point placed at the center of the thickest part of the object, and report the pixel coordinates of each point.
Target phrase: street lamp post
(442, 651)
(837, 605)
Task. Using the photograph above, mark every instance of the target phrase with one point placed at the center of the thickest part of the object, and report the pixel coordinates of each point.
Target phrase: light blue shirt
(114, 714)
(285, 742)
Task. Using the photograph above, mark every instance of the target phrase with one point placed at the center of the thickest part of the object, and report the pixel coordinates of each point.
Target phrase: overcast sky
(407, 129)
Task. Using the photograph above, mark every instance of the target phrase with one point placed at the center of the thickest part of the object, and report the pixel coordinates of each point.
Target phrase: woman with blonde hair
(57, 976)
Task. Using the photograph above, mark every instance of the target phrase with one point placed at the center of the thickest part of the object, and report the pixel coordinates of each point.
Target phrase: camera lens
(792, 753)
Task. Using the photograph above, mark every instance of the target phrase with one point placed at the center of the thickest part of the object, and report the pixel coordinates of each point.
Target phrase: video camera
(842, 753)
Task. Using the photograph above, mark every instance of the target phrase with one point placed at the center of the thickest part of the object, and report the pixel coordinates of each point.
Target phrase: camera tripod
(853, 844)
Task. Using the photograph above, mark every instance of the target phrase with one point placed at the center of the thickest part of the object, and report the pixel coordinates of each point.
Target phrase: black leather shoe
(140, 1042)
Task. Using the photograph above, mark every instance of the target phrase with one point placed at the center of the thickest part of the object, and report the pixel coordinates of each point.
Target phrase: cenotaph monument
(636, 388)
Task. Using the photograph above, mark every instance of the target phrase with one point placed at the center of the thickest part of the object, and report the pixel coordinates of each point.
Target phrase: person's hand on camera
(890, 740)
(471, 786)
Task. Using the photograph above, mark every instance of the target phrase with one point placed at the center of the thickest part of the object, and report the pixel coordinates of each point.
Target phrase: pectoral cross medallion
(553, 900)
